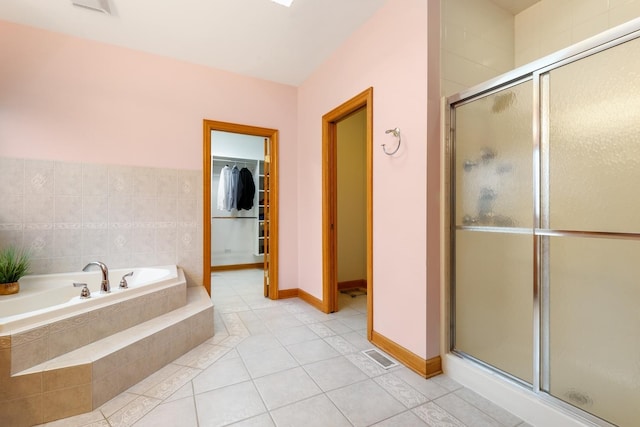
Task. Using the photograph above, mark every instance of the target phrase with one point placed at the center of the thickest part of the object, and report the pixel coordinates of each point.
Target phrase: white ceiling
(255, 38)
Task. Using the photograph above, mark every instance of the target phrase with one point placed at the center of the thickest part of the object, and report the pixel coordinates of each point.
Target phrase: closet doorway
(347, 188)
(262, 219)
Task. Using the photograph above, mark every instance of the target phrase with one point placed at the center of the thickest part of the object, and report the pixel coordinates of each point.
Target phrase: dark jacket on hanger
(246, 190)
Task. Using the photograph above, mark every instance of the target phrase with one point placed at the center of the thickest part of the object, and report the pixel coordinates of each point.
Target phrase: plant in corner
(14, 263)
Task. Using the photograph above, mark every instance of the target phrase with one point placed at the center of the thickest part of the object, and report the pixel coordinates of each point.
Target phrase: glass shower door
(493, 230)
(592, 228)
(545, 228)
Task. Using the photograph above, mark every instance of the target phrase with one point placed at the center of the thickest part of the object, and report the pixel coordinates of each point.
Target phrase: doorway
(266, 217)
(360, 104)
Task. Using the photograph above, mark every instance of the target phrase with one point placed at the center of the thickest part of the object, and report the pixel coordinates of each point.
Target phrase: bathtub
(47, 297)
(67, 355)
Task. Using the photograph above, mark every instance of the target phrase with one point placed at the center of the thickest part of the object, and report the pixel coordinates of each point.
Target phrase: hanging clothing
(233, 188)
(246, 190)
(224, 189)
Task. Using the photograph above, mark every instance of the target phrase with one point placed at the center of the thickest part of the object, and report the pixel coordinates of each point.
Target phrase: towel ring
(396, 133)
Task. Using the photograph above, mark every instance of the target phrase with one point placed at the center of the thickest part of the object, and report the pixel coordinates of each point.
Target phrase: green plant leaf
(14, 263)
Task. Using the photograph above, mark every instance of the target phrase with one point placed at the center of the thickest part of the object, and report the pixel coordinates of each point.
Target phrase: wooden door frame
(272, 134)
(329, 201)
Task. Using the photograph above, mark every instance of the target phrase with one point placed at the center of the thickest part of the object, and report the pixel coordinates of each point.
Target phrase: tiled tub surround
(90, 321)
(76, 363)
(69, 214)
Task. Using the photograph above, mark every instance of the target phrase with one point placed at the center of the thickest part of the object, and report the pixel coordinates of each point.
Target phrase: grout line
(481, 410)
(193, 398)
(255, 311)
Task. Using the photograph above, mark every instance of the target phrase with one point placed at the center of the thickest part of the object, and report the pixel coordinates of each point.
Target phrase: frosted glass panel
(493, 160)
(595, 324)
(494, 299)
(594, 142)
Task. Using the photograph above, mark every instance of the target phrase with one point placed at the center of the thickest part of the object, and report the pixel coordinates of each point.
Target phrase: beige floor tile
(295, 335)
(172, 384)
(405, 419)
(317, 411)
(365, 403)
(429, 388)
(229, 404)
(263, 420)
(494, 411)
(334, 373)
(181, 412)
(184, 391)
(321, 329)
(435, 416)
(202, 356)
(284, 363)
(155, 378)
(341, 345)
(465, 412)
(312, 351)
(218, 337)
(268, 362)
(133, 411)
(117, 403)
(446, 382)
(258, 343)
(221, 374)
(283, 388)
(402, 391)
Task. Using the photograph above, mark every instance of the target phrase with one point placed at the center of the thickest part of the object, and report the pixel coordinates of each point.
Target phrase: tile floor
(283, 363)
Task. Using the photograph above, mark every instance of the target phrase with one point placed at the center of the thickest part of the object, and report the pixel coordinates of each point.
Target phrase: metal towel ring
(396, 133)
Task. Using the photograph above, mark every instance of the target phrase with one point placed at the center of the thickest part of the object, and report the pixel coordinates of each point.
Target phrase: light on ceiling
(286, 3)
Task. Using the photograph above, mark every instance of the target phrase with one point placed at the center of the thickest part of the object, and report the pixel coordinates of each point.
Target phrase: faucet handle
(85, 292)
(123, 281)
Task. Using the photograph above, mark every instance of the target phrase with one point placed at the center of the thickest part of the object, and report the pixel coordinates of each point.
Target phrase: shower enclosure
(545, 227)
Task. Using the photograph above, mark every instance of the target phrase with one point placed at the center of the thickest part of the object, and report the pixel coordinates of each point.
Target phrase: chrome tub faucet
(123, 282)
(105, 287)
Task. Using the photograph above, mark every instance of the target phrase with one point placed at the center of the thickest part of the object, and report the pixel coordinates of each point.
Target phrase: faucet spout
(105, 287)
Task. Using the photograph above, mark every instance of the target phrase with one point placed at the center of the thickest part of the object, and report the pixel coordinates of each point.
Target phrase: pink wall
(69, 99)
(63, 98)
(389, 53)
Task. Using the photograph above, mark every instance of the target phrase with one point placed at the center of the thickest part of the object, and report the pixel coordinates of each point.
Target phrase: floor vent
(379, 358)
(354, 292)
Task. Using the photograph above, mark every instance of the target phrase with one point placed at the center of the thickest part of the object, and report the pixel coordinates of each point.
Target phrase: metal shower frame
(538, 72)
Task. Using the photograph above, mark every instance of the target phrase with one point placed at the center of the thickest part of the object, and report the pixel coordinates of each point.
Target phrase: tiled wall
(477, 43)
(481, 41)
(68, 214)
(551, 25)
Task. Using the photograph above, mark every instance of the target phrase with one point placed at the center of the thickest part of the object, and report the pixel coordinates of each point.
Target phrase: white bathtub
(47, 297)
(93, 348)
